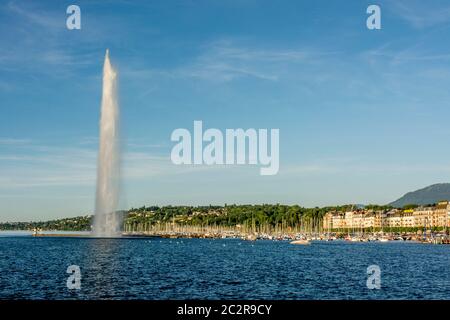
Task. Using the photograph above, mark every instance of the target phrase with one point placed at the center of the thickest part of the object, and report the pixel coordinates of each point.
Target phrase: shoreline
(250, 236)
(256, 237)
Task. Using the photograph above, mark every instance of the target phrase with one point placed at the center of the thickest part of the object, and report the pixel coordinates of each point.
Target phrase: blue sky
(363, 115)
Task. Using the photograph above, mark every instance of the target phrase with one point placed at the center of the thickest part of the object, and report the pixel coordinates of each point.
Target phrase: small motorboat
(301, 242)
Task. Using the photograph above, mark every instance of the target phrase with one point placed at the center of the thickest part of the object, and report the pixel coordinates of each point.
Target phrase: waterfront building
(435, 216)
(393, 219)
(423, 216)
(372, 220)
(408, 219)
(440, 218)
(338, 221)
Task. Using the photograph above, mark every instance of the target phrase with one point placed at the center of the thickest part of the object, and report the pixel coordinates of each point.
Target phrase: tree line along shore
(265, 218)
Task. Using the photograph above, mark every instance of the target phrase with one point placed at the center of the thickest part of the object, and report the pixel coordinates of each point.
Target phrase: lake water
(35, 268)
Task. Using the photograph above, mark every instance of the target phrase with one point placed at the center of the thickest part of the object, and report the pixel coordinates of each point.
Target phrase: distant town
(266, 218)
(433, 217)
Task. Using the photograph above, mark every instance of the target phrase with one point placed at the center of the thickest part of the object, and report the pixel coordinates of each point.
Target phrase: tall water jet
(107, 220)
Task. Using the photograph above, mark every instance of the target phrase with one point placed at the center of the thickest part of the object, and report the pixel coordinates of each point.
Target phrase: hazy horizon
(214, 204)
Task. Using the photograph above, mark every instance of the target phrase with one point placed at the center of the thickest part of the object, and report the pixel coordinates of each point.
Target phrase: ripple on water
(34, 268)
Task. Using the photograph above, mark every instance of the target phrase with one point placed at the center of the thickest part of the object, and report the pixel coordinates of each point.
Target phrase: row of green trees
(67, 224)
(228, 215)
(271, 215)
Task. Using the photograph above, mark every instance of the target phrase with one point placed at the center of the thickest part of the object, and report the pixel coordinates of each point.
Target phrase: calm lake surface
(35, 268)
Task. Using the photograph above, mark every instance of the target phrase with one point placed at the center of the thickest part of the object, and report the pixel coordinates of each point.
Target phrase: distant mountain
(428, 195)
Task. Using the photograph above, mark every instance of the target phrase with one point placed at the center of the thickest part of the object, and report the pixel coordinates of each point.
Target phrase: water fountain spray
(107, 220)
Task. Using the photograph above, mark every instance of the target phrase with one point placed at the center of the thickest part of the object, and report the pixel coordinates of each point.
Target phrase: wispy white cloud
(13, 141)
(226, 60)
(223, 72)
(36, 165)
(34, 15)
(35, 42)
(229, 50)
(408, 53)
(421, 14)
(362, 167)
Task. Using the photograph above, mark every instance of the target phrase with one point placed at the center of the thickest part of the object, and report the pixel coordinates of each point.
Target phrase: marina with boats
(424, 224)
(426, 236)
(302, 238)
